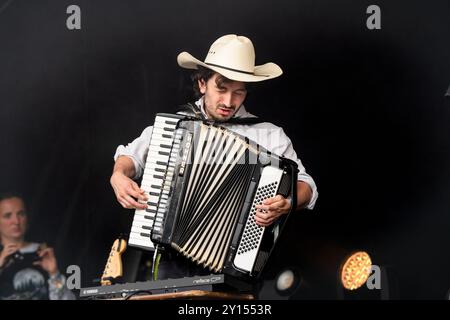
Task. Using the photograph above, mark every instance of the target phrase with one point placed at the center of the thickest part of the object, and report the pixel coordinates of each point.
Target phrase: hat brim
(263, 72)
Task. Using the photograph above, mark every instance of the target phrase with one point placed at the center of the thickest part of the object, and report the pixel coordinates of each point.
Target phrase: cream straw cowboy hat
(233, 57)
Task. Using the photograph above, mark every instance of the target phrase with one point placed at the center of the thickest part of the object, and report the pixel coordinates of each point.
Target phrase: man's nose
(226, 99)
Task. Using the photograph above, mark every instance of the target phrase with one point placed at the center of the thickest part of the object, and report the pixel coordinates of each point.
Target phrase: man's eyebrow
(224, 87)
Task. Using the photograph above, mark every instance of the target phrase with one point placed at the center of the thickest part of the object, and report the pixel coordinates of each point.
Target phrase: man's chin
(221, 118)
(225, 119)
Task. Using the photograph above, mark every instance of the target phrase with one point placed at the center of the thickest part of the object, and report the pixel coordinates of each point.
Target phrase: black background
(365, 110)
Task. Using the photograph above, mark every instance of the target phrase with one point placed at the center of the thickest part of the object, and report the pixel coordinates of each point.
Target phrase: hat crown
(232, 51)
(233, 57)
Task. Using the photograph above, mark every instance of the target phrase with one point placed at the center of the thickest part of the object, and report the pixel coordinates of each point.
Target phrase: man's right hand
(6, 252)
(128, 192)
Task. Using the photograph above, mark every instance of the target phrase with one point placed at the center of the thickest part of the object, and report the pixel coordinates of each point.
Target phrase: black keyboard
(206, 283)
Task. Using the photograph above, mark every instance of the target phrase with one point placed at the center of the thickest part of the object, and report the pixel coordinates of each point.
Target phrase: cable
(135, 293)
(155, 265)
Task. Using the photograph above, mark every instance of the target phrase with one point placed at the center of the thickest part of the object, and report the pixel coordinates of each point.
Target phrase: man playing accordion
(220, 85)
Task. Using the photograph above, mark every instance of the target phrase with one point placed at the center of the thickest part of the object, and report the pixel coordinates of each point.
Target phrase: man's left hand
(271, 209)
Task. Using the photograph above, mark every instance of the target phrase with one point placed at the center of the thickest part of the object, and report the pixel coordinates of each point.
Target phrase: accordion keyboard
(156, 181)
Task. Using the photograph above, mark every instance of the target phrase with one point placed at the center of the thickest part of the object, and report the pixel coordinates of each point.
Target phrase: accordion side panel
(251, 237)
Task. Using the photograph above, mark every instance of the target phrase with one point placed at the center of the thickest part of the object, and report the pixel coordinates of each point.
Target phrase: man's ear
(202, 85)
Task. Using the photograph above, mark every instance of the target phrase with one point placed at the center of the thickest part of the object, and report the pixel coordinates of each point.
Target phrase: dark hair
(9, 195)
(205, 74)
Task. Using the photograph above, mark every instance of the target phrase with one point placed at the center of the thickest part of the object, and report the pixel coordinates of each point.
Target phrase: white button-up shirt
(265, 134)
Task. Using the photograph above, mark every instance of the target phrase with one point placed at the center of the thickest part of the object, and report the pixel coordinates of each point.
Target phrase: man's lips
(225, 111)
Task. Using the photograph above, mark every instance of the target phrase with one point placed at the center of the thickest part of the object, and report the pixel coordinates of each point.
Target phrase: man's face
(224, 100)
(13, 219)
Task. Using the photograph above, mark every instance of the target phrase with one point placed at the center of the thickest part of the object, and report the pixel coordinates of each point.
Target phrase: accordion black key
(204, 182)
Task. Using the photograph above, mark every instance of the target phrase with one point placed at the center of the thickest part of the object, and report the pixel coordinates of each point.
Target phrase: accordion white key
(203, 182)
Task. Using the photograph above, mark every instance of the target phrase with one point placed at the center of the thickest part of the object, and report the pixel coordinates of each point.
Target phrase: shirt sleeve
(136, 151)
(287, 151)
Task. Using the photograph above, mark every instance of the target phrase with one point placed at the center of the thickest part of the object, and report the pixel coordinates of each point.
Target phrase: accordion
(203, 182)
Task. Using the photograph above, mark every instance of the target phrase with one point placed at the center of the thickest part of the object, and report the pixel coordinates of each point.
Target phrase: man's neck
(205, 112)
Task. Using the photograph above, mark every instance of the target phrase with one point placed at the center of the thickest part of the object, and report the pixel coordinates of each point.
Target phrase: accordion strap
(194, 110)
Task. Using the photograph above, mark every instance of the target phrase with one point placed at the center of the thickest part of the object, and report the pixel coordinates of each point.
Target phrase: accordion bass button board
(204, 182)
(252, 235)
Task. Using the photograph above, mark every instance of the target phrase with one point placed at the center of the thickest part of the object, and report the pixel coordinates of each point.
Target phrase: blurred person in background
(28, 270)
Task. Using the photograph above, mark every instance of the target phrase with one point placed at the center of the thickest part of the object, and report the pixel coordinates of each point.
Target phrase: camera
(19, 257)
